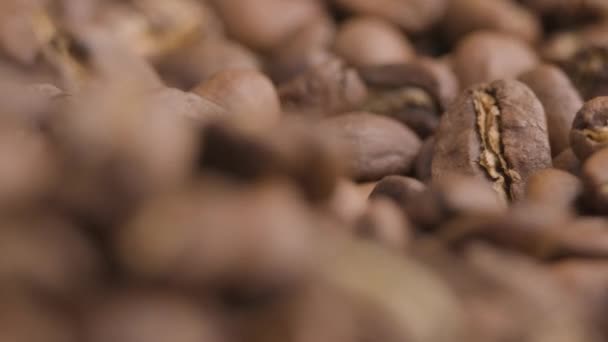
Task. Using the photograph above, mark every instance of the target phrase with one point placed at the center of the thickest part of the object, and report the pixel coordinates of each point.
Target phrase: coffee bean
(560, 100)
(412, 93)
(554, 188)
(385, 223)
(484, 56)
(328, 88)
(588, 70)
(402, 190)
(594, 174)
(380, 146)
(425, 159)
(494, 131)
(567, 161)
(364, 41)
(411, 15)
(465, 16)
(590, 128)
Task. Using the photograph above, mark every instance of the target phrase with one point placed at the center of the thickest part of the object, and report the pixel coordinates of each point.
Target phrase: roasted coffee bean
(594, 174)
(554, 188)
(484, 56)
(562, 45)
(380, 146)
(590, 128)
(465, 16)
(425, 159)
(588, 70)
(303, 50)
(494, 131)
(367, 41)
(146, 315)
(385, 223)
(248, 97)
(412, 93)
(264, 25)
(328, 88)
(402, 190)
(411, 15)
(559, 14)
(560, 100)
(567, 161)
(453, 196)
(286, 152)
(191, 65)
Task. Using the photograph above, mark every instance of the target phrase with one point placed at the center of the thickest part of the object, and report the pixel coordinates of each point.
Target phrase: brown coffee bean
(425, 159)
(588, 70)
(494, 131)
(191, 65)
(594, 174)
(264, 25)
(364, 41)
(24, 317)
(554, 187)
(465, 16)
(49, 255)
(199, 240)
(402, 190)
(380, 146)
(558, 14)
(488, 56)
(411, 15)
(348, 202)
(248, 97)
(590, 128)
(303, 50)
(384, 222)
(329, 88)
(560, 100)
(148, 316)
(567, 161)
(287, 152)
(562, 45)
(413, 93)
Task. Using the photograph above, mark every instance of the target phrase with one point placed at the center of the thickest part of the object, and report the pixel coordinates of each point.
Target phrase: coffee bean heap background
(303, 170)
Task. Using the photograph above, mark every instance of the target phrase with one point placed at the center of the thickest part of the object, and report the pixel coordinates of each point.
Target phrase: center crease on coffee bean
(394, 100)
(599, 134)
(489, 129)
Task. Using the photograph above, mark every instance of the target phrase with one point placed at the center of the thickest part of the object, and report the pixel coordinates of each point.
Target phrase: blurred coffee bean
(364, 41)
(465, 16)
(148, 316)
(411, 15)
(559, 14)
(48, 255)
(246, 239)
(328, 88)
(567, 161)
(385, 223)
(198, 62)
(484, 56)
(264, 24)
(494, 131)
(594, 174)
(560, 100)
(562, 45)
(453, 196)
(401, 190)
(24, 317)
(380, 146)
(554, 187)
(425, 159)
(590, 128)
(587, 69)
(248, 97)
(412, 93)
(288, 151)
(303, 50)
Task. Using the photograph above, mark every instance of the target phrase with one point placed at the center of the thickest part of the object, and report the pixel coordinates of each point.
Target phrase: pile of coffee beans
(303, 170)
